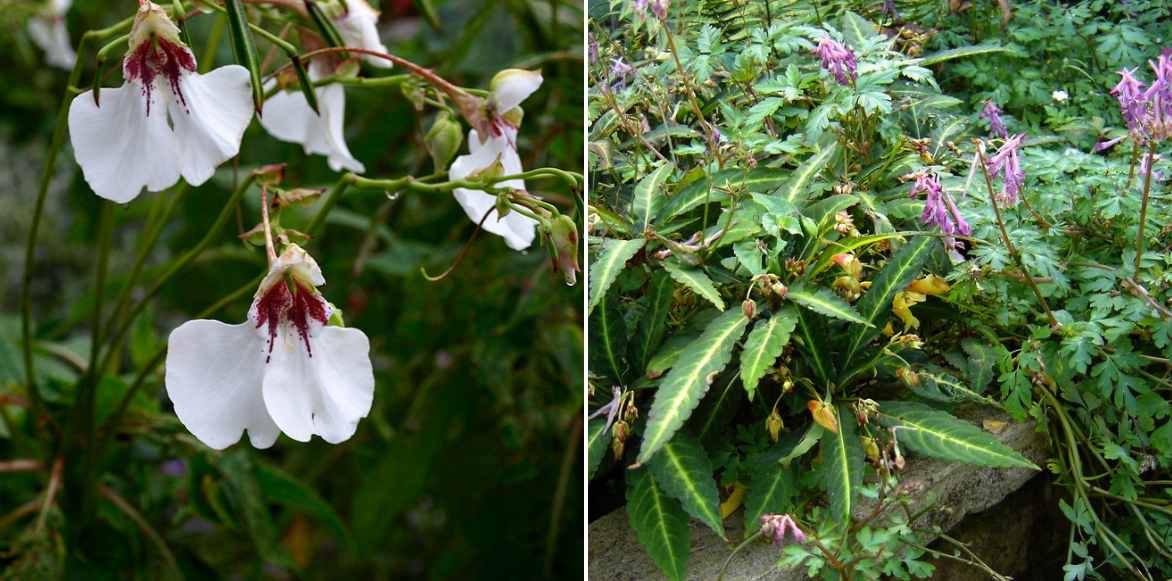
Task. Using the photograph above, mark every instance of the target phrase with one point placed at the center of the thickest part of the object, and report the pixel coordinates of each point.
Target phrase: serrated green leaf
(649, 196)
(608, 341)
(695, 279)
(597, 443)
(938, 434)
(876, 302)
(794, 191)
(815, 352)
(765, 343)
(653, 323)
(771, 491)
(856, 30)
(842, 465)
(611, 261)
(761, 179)
(824, 302)
(660, 524)
(962, 52)
(683, 471)
(687, 382)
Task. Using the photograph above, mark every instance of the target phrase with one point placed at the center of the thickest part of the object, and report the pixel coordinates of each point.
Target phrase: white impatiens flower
(166, 121)
(48, 32)
(289, 118)
(1059, 95)
(508, 89)
(359, 29)
(282, 370)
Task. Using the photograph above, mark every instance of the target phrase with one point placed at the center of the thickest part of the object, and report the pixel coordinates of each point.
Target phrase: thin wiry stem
(1140, 242)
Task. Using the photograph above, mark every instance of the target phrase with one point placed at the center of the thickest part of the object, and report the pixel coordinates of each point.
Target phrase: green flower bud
(443, 140)
(563, 234)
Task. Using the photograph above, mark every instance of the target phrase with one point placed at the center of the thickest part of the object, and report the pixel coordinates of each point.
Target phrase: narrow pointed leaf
(771, 491)
(795, 190)
(612, 260)
(825, 260)
(687, 382)
(695, 279)
(938, 434)
(304, 83)
(876, 302)
(649, 196)
(597, 443)
(324, 26)
(811, 436)
(683, 471)
(653, 323)
(711, 189)
(608, 341)
(244, 49)
(660, 524)
(426, 8)
(826, 303)
(962, 52)
(815, 352)
(765, 343)
(842, 465)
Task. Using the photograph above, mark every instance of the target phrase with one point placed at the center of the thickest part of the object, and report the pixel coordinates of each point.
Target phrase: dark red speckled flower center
(155, 58)
(297, 307)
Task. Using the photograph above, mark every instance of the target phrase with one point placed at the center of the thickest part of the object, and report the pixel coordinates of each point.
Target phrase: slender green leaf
(842, 465)
(795, 191)
(605, 270)
(811, 436)
(962, 52)
(660, 524)
(695, 279)
(668, 354)
(597, 443)
(938, 434)
(324, 25)
(851, 245)
(688, 381)
(683, 471)
(761, 179)
(876, 302)
(771, 491)
(653, 323)
(282, 488)
(765, 343)
(649, 196)
(244, 49)
(824, 302)
(608, 341)
(304, 83)
(815, 352)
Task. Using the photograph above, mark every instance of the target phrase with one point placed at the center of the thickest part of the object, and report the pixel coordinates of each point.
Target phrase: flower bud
(774, 425)
(563, 234)
(749, 308)
(443, 140)
(779, 290)
(871, 449)
(619, 431)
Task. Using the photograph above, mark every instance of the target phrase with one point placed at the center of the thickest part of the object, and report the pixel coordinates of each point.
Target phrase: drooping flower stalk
(837, 59)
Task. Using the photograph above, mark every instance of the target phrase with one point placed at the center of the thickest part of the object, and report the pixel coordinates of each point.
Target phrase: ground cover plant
(383, 268)
(819, 229)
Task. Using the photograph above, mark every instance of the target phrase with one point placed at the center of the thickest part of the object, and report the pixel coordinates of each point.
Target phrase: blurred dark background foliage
(469, 463)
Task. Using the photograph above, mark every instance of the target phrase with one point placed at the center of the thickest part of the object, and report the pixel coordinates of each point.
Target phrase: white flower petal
(517, 230)
(49, 33)
(287, 117)
(210, 124)
(324, 394)
(121, 148)
(213, 377)
(512, 86)
(359, 29)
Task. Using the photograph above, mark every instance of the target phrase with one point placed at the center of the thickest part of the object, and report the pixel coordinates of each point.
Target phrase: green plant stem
(1140, 242)
(742, 545)
(178, 265)
(692, 100)
(1009, 243)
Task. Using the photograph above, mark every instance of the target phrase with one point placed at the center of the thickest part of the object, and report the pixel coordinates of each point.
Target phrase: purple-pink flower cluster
(940, 209)
(992, 114)
(1007, 164)
(1147, 112)
(775, 527)
(837, 59)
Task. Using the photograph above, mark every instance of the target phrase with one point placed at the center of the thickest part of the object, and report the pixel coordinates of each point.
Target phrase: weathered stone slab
(951, 490)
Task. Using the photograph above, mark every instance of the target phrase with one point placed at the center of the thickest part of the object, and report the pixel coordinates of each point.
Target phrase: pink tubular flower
(940, 210)
(1007, 164)
(837, 59)
(775, 527)
(992, 114)
(1129, 91)
(1159, 97)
